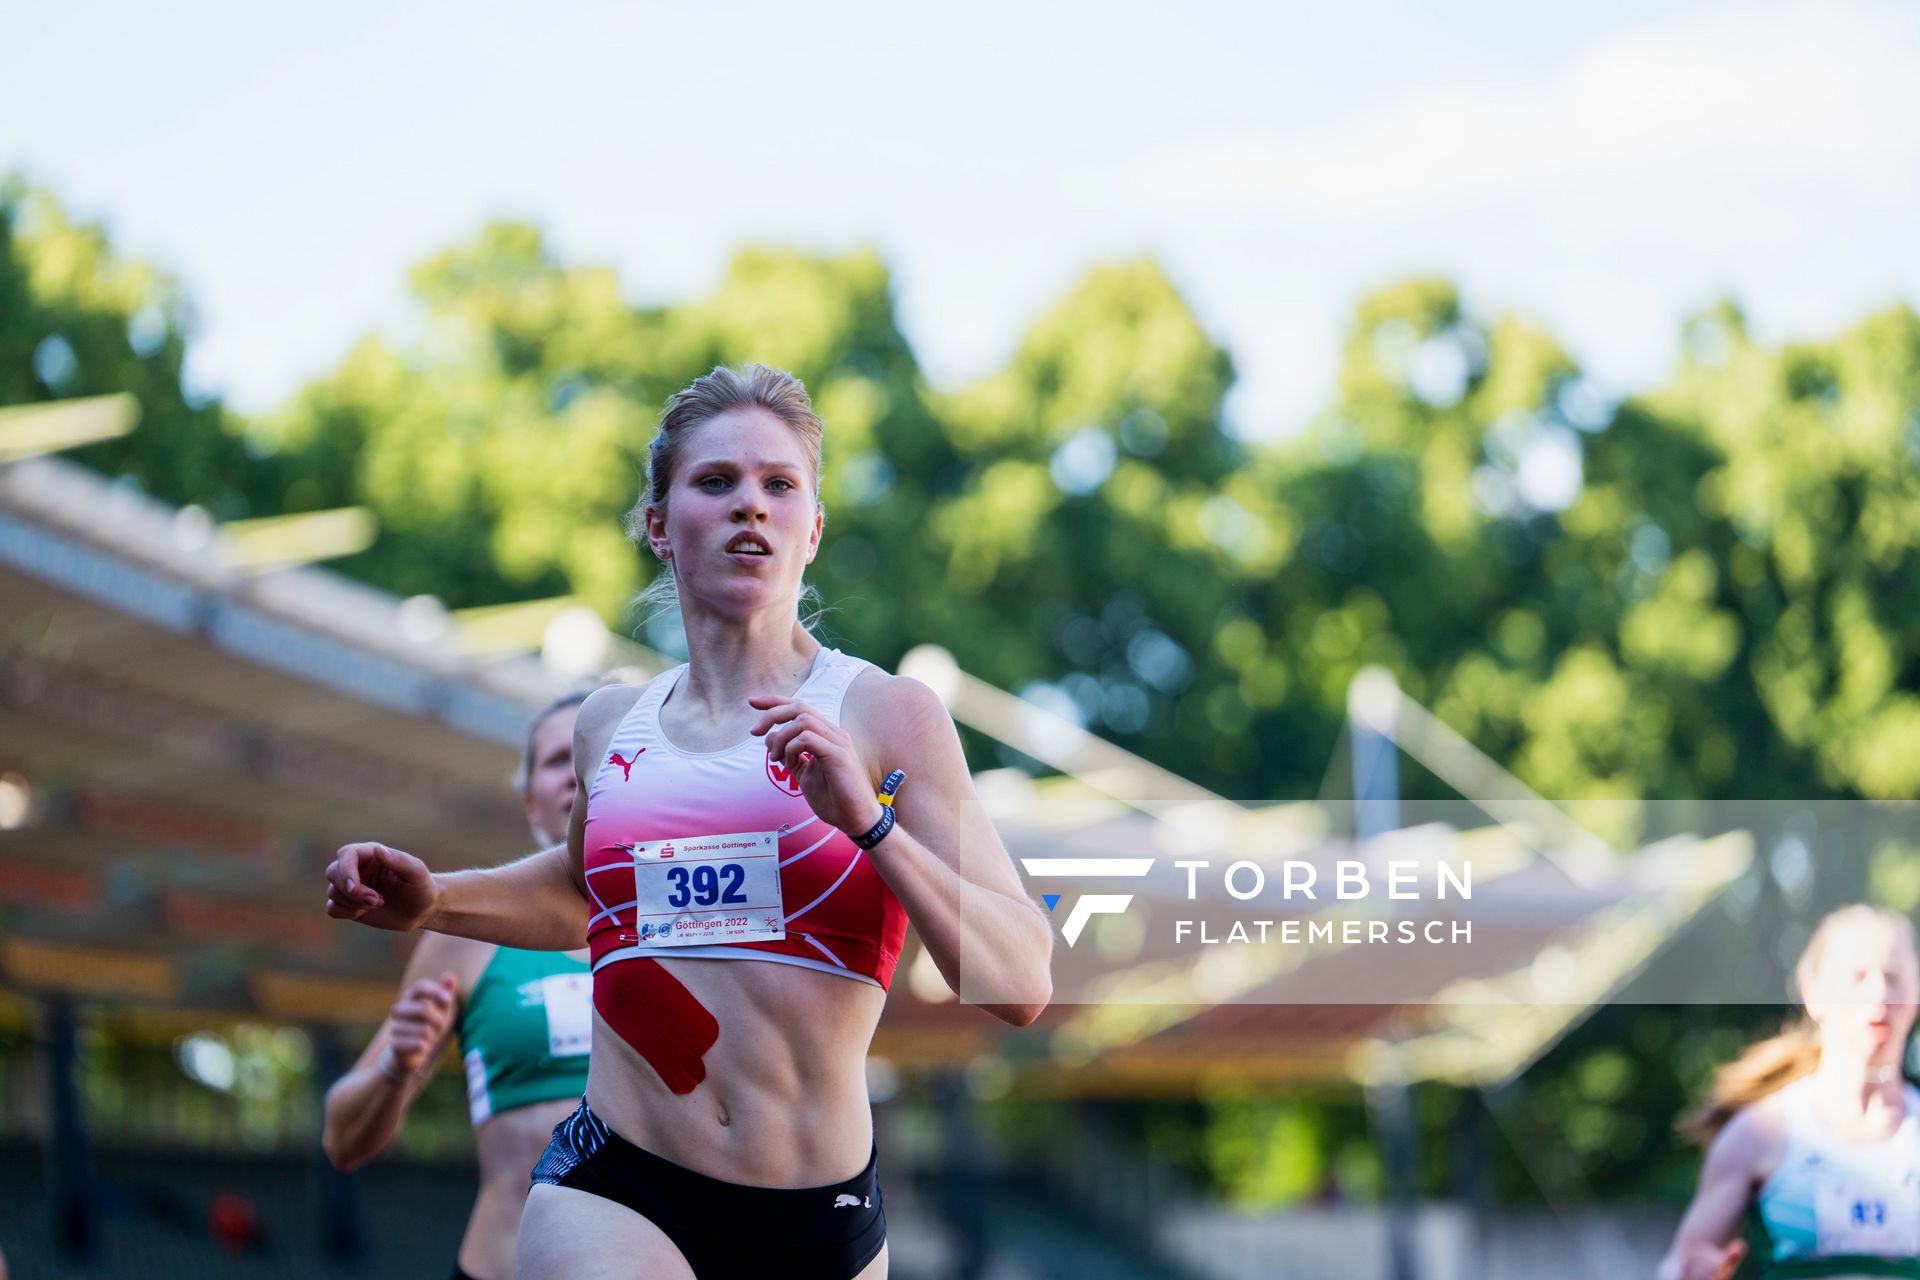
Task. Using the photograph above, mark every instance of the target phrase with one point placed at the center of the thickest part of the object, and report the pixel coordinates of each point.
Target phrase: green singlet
(525, 1031)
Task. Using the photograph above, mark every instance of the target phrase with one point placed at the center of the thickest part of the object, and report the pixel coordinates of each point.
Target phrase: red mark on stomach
(659, 1019)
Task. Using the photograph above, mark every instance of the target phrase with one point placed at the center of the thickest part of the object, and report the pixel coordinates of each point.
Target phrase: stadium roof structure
(186, 736)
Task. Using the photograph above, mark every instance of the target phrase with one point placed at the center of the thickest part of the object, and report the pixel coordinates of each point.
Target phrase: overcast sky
(1607, 171)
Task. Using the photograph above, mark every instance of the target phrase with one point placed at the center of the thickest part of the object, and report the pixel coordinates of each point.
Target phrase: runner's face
(550, 780)
(741, 520)
(1863, 995)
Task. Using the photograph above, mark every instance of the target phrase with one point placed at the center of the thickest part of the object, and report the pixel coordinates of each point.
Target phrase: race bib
(702, 890)
(1878, 1220)
(569, 1001)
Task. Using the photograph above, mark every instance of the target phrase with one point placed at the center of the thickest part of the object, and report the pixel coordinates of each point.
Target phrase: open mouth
(749, 544)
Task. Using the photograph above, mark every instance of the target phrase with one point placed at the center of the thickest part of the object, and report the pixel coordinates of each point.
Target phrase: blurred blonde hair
(1769, 1065)
(572, 696)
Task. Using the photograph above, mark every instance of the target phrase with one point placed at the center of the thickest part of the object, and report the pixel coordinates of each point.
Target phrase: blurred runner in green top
(524, 1020)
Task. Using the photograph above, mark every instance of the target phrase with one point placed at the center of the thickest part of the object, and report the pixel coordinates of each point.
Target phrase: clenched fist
(382, 887)
(417, 1026)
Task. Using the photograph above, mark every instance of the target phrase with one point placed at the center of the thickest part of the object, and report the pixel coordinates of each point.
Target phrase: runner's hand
(821, 755)
(382, 887)
(1714, 1262)
(418, 1024)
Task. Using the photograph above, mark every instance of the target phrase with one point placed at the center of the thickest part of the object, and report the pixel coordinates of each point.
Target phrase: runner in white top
(1815, 1136)
(732, 1133)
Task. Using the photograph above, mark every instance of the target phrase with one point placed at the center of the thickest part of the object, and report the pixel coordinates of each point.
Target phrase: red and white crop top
(840, 916)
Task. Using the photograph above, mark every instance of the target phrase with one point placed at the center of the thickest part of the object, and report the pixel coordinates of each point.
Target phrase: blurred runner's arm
(1707, 1244)
(366, 1106)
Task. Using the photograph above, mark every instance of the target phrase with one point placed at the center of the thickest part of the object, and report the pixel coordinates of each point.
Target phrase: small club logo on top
(782, 777)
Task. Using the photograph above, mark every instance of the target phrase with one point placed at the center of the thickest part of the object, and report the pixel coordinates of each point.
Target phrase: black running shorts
(724, 1230)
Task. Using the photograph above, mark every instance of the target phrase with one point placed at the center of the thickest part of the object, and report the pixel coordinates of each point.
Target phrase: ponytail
(1765, 1068)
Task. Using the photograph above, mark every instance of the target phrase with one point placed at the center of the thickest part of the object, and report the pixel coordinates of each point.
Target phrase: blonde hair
(725, 389)
(1769, 1065)
(753, 386)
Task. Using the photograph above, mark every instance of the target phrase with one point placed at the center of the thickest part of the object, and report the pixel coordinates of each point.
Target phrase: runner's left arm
(366, 1107)
(943, 859)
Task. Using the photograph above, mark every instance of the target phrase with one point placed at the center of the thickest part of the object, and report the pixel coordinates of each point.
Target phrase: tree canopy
(1689, 592)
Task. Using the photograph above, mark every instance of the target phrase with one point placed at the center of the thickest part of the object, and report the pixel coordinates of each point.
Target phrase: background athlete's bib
(568, 998)
(1876, 1219)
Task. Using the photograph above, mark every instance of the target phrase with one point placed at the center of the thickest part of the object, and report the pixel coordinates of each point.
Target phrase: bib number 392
(707, 884)
(703, 890)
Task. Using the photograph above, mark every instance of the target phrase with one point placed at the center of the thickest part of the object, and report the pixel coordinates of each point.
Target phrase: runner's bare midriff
(508, 1145)
(784, 1102)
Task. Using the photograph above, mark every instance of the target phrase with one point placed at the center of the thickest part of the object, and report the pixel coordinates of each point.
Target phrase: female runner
(1815, 1135)
(746, 875)
(523, 1019)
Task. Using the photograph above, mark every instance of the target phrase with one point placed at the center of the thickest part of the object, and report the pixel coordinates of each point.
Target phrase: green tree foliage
(1694, 592)
(1814, 476)
(502, 449)
(77, 319)
(1664, 627)
(497, 455)
(1086, 547)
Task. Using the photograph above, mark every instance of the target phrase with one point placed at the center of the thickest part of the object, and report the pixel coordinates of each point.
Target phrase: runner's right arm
(1707, 1245)
(536, 904)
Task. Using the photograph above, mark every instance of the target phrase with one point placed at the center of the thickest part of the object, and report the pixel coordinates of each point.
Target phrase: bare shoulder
(1753, 1141)
(607, 705)
(593, 728)
(897, 714)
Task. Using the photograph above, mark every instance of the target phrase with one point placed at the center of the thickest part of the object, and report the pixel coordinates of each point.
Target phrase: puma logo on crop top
(840, 916)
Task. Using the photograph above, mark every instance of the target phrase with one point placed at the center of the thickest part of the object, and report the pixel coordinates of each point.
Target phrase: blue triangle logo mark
(1051, 899)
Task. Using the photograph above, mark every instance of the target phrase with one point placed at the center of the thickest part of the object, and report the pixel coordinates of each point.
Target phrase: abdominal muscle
(784, 1101)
